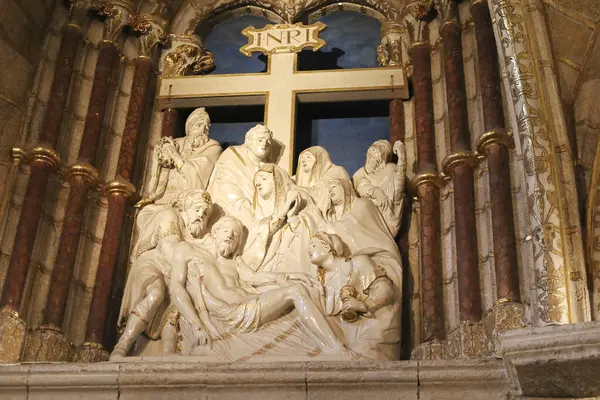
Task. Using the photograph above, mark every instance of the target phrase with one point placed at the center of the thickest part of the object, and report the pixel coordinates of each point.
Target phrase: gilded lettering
(293, 35)
(272, 36)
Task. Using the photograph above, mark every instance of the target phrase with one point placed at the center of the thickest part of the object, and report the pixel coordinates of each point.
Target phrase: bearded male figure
(227, 303)
(382, 181)
(145, 299)
(183, 163)
(232, 183)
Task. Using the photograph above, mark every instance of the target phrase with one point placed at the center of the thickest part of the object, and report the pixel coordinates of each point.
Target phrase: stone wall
(23, 28)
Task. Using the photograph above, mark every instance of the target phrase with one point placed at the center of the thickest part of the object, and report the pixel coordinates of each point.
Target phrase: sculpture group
(236, 260)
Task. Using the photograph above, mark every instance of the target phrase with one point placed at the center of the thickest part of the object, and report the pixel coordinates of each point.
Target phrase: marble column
(48, 343)
(460, 165)
(118, 192)
(494, 143)
(170, 122)
(426, 183)
(43, 159)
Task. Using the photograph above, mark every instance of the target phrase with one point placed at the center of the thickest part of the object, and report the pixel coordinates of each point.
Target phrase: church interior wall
(24, 100)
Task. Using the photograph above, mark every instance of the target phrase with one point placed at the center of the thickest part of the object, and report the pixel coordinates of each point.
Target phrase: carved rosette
(47, 343)
(389, 52)
(90, 353)
(151, 32)
(12, 336)
(187, 56)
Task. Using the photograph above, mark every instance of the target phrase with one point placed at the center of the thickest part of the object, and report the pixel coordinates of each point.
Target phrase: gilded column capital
(18, 155)
(389, 52)
(46, 155)
(150, 31)
(495, 137)
(448, 14)
(451, 161)
(119, 187)
(115, 14)
(84, 170)
(187, 56)
(77, 14)
(427, 178)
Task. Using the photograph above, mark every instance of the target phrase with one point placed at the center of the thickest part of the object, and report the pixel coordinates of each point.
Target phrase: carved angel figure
(382, 181)
(145, 300)
(364, 297)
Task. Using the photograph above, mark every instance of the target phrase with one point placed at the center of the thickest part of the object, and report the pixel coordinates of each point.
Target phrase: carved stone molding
(89, 352)
(47, 343)
(12, 336)
(115, 14)
(187, 56)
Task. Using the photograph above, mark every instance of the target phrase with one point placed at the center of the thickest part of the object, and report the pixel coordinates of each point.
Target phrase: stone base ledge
(407, 380)
(554, 361)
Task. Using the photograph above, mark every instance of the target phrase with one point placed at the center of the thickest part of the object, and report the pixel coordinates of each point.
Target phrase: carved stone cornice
(119, 187)
(495, 137)
(84, 170)
(460, 157)
(187, 56)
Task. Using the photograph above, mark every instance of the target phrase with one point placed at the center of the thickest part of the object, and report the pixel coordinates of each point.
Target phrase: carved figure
(382, 181)
(145, 299)
(227, 301)
(183, 163)
(315, 170)
(361, 295)
(232, 182)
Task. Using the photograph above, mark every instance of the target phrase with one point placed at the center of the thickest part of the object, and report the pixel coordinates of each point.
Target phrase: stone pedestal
(12, 336)
(47, 343)
(406, 380)
(554, 361)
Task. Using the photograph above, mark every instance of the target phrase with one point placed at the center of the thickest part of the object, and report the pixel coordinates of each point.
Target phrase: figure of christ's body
(228, 295)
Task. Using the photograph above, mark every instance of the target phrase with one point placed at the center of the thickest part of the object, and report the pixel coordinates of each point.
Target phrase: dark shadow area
(309, 60)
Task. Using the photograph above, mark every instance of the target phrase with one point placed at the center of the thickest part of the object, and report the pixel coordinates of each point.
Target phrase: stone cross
(280, 89)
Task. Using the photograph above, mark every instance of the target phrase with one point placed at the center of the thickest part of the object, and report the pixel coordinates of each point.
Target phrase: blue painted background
(352, 40)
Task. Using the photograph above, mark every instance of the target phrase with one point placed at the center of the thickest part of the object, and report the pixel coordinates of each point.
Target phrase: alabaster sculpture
(235, 260)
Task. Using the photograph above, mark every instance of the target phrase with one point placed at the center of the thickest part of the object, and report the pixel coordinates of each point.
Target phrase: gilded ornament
(495, 137)
(87, 171)
(90, 352)
(47, 343)
(187, 59)
(19, 156)
(12, 336)
(140, 23)
(427, 178)
(119, 187)
(46, 155)
(458, 158)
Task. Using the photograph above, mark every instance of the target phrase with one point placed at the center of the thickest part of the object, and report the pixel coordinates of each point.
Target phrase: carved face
(195, 217)
(317, 251)
(264, 184)
(307, 162)
(336, 193)
(374, 159)
(199, 131)
(261, 145)
(227, 238)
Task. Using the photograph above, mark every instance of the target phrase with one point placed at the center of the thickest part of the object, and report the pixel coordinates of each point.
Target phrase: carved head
(227, 233)
(195, 207)
(264, 182)
(378, 155)
(197, 127)
(323, 246)
(258, 141)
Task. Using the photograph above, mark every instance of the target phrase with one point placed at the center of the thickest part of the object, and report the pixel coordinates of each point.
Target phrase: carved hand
(143, 203)
(352, 304)
(400, 151)
(204, 338)
(380, 198)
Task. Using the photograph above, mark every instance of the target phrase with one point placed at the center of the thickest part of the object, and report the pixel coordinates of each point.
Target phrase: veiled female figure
(284, 219)
(315, 170)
